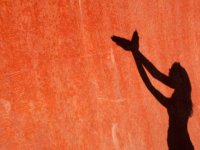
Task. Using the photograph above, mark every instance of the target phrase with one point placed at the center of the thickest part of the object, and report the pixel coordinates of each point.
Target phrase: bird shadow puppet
(179, 105)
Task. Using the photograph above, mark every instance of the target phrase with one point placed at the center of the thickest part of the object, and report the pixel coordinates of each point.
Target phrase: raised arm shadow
(133, 46)
(141, 61)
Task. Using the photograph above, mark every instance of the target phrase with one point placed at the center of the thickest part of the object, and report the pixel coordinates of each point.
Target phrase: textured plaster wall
(65, 85)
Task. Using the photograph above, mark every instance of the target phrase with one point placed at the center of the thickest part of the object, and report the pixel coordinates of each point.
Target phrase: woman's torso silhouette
(178, 136)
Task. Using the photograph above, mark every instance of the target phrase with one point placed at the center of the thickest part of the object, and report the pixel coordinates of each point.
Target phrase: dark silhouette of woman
(179, 105)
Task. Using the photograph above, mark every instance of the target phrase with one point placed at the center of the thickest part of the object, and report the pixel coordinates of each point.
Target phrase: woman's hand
(124, 43)
(135, 41)
(128, 45)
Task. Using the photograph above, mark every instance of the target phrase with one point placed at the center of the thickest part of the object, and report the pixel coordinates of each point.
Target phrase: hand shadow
(127, 44)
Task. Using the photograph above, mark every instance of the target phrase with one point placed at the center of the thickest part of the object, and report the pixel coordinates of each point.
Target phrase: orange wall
(65, 85)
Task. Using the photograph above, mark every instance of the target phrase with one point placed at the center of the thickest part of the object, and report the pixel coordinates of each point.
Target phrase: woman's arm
(133, 46)
(154, 71)
(161, 98)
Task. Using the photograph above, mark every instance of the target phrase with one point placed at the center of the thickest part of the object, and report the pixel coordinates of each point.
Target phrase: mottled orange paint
(65, 85)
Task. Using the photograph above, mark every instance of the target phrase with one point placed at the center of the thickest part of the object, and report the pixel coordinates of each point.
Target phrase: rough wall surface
(65, 85)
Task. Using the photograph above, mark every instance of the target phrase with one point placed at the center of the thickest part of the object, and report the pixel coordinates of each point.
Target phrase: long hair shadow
(179, 105)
